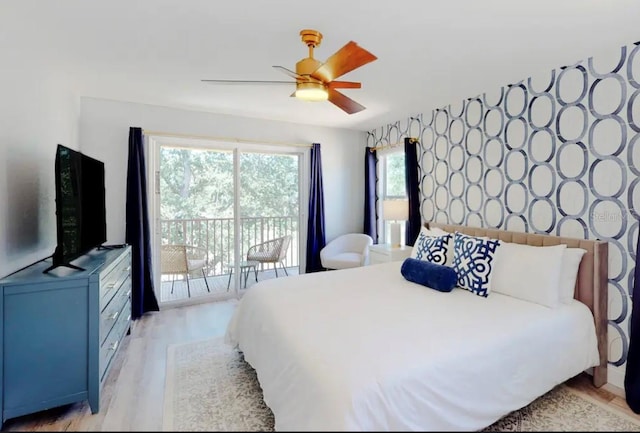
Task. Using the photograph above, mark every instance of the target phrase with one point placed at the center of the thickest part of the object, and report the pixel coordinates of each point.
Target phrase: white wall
(104, 133)
(38, 110)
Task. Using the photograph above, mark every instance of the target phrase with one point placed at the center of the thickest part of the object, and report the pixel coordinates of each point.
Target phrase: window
(391, 185)
(394, 179)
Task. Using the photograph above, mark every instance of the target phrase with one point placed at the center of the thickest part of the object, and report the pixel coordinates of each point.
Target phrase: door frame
(153, 143)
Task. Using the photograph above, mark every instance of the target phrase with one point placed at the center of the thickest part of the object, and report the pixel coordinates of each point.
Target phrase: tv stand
(111, 247)
(66, 265)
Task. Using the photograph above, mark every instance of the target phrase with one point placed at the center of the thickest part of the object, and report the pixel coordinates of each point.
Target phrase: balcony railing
(216, 236)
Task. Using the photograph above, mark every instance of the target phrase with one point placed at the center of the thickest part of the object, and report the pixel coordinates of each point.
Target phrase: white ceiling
(430, 52)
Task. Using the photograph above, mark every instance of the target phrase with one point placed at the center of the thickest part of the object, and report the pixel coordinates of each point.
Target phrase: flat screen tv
(80, 206)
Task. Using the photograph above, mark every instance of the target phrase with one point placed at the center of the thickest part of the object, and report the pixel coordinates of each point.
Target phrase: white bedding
(364, 349)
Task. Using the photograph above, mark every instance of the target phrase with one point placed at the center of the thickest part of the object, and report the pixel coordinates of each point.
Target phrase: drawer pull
(128, 269)
(128, 294)
(114, 315)
(128, 317)
(114, 345)
(111, 285)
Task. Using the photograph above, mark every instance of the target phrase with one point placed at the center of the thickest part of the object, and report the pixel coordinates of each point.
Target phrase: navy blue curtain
(413, 192)
(370, 216)
(315, 226)
(632, 372)
(143, 298)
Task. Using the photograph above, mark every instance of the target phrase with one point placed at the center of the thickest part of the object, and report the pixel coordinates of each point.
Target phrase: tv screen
(80, 205)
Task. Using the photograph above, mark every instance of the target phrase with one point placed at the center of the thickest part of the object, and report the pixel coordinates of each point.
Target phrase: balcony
(216, 237)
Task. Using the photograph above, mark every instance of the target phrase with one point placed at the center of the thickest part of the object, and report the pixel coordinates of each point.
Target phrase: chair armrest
(253, 248)
(196, 253)
(365, 256)
(261, 247)
(269, 245)
(194, 248)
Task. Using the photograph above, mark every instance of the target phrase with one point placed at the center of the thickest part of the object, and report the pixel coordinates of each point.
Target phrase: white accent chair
(350, 250)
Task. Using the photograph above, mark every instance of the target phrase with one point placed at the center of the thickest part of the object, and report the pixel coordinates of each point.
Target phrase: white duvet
(364, 349)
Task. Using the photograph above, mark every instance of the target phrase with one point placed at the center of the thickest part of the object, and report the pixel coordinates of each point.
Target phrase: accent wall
(555, 153)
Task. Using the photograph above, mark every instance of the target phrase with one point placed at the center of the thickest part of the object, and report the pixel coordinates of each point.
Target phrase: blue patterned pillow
(473, 262)
(433, 249)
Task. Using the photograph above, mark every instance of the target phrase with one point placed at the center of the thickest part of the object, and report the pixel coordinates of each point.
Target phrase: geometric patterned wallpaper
(557, 154)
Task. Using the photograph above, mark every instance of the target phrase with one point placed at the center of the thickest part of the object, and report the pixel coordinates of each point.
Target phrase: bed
(364, 349)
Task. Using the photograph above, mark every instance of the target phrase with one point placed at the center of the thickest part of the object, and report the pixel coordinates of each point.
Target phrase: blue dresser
(61, 331)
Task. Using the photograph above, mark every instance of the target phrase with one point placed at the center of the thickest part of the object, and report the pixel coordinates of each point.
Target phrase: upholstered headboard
(591, 284)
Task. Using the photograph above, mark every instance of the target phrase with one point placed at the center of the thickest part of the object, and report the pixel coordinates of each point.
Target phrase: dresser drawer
(116, 269)
(113, 340)
(109, 316)
(113, 281)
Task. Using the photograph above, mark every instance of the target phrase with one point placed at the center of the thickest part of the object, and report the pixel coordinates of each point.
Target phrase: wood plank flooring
(132, 398)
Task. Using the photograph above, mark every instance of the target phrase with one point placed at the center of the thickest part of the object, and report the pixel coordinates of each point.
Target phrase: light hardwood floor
(132, 398)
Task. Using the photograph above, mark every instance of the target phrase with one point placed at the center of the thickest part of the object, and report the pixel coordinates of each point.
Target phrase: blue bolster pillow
(432, 275)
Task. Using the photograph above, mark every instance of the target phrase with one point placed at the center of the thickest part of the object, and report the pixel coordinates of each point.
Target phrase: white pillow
(528, 272)
(570, 264)
(429, 233)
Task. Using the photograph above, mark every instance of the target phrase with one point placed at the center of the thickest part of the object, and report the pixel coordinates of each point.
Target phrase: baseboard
(613, 389)
(615, 381)
(615, 378)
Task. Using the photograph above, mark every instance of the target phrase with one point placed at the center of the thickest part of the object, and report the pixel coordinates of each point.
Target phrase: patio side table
(245, 268)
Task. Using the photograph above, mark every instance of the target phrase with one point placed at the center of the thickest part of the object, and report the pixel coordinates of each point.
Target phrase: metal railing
(216, 236)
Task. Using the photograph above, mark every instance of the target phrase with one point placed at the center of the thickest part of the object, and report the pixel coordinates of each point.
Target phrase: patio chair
(183, 260)
(271, 251)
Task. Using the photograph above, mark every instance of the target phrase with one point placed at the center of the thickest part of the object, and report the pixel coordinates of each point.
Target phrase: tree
(395, 173)
(268, 185)
(199, 184)
(195, 184)
(197, 190)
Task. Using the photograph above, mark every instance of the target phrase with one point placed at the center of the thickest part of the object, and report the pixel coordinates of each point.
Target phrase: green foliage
(198, 184)
(195, 184)
(395, 173)
(268, 185)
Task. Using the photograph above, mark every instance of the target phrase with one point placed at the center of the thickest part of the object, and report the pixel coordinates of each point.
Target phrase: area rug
(209, 387)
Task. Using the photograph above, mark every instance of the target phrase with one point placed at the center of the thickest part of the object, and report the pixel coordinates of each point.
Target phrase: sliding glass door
(225, 217)
(269, 213)
(196, 221)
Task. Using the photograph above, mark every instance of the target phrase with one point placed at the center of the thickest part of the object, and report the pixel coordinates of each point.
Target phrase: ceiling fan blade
(344, 102)
(290, 73)
(346, 59)
(344, 85)
(246, 82)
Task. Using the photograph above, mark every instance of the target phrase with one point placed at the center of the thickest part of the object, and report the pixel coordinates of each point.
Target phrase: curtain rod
(228, 139)
(384, 146)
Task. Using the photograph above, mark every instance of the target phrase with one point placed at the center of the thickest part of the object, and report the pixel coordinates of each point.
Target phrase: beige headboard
(591, 284)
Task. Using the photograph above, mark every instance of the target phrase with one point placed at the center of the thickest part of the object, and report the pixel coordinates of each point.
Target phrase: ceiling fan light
(312, 92)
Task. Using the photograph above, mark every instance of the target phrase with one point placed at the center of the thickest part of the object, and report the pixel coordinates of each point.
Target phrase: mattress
(364, 349)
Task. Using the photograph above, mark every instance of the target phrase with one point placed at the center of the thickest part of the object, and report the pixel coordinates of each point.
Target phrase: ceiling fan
(315, 80)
